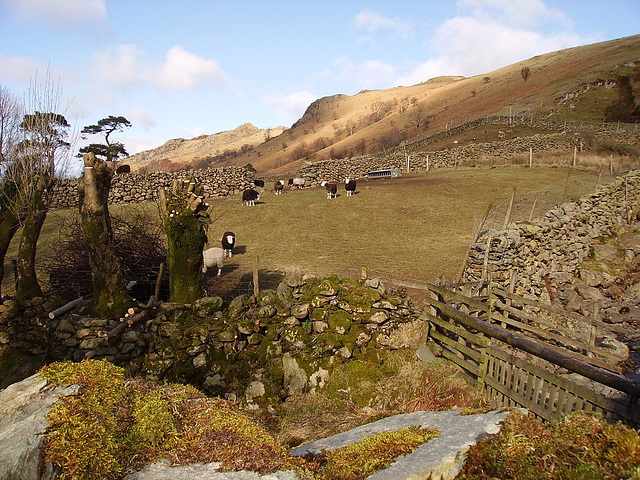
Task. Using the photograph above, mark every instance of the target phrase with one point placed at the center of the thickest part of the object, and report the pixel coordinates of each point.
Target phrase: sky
(183, 68)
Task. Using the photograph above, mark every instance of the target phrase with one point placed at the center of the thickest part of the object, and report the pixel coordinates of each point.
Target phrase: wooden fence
(517, 348)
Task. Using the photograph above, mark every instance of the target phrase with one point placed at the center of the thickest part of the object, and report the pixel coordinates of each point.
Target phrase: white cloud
(373, 21)
(140, 116)
(291, 106)
(60, 13)
(120, 65)
(185, 71)
(19, 69)
(366, 74)
(491, 34)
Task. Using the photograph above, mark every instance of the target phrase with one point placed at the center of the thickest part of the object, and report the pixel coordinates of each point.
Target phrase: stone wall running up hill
(551, 252)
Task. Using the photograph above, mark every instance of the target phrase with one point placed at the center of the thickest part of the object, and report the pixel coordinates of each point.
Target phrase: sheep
(228, 242)
(331, 188)
(213, 257)
(123, 169)
(278, 186)
(350, 186)
(249, 197)
(297, 182)
(258, 183)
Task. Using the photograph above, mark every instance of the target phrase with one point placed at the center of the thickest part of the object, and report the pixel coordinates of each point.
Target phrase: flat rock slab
(441, 457)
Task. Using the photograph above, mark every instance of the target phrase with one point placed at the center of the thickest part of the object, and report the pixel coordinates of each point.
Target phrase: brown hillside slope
(181, 151)
(570, 84)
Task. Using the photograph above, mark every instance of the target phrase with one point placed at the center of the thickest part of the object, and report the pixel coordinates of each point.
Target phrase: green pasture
(414, 228)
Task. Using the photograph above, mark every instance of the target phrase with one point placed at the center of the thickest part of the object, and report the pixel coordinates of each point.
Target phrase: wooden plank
(566, 340)
(469, 352)
(479, 340)
(519, 399)
(558, 311)
(473, 369)
(528, 345)
(478, 305)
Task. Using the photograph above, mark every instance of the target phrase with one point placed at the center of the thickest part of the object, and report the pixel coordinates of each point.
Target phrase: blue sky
(182, 68)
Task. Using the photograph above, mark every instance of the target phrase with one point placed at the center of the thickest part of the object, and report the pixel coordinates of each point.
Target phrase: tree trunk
(185, 217)
(27, 285)
(8, 227)
(109, 298)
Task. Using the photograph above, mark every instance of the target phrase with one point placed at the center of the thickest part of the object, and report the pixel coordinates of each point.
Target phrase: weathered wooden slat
(565, 386)
(528, 345)
(556, 310)
(480, 340)
(469, 352)
(473, 369)
(567, 341)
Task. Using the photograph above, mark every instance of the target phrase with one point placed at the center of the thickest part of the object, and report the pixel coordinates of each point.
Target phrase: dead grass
(413, 228)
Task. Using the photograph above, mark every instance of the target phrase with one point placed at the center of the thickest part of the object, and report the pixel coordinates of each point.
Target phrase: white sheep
(213, 257)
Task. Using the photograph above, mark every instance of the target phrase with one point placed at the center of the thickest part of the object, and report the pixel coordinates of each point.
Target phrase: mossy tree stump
(185, 217)
(109, 298)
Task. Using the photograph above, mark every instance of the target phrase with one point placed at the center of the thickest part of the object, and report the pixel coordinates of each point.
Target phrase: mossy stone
(273, 331)
(267, 297)
(296, 336)
(238, 305)
(229, 334)
(356, 377)
(317, 314)
(339, 322)
(208, 305)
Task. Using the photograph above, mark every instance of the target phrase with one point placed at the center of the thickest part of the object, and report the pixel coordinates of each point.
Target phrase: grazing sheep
(249, 197)
(278, 186)
(228, 242)
(331, 188)
(213, 257)
(123, 169)
(258, 183)
(297, 182)
(350, 186)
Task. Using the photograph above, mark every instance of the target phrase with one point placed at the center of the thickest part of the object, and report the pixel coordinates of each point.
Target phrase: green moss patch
(372, 454)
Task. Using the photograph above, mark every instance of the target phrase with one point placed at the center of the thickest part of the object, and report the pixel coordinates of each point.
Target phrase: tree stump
(109, 298)
(185, 217)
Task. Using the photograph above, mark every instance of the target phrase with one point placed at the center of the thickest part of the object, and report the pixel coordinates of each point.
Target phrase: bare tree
(41, 154)
(525, 72)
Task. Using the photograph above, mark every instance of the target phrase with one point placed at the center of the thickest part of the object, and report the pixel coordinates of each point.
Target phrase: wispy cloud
(127, 66)
(373, 21)
(291, 106)
(489, 34)
(58, 13)
(366, 74)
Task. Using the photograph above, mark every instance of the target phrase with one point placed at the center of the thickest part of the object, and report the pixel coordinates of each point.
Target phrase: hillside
(572, 84)
(180, 153)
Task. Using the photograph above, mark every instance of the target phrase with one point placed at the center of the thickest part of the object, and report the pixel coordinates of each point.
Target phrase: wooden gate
(514, 348)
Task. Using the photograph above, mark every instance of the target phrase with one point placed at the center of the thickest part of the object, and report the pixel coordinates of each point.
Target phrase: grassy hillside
(570, 84)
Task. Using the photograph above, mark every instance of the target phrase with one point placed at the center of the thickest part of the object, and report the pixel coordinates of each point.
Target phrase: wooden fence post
(507, 218)
(256, 276)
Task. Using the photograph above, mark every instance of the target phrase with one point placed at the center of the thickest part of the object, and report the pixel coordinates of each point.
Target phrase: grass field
(414, 228)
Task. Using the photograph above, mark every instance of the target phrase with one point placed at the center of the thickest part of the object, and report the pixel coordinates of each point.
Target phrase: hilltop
(575, 84)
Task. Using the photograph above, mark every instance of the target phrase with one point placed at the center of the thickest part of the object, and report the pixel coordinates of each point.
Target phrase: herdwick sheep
(331, 188)
(249, 197)
(350, 186)
(297, 182)
(213, 257)
(258, 183)
(278, 186)
(228, 242)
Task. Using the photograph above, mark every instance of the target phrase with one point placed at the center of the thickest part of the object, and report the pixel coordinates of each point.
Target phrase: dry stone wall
(256, 350)
(136, 188)
(552, 251)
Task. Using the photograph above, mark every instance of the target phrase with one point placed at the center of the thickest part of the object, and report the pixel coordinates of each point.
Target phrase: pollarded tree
(109, 298)
(185, 217)
(45, 135)
(107, 151)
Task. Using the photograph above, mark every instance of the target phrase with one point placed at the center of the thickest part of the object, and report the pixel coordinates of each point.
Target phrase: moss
(113, 427)
(357, 380)
(580, 446)
(358, 461)
(339, 322)
(16, 365)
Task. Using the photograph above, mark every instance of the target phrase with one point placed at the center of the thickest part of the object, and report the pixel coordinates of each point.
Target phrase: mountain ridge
(576, 83)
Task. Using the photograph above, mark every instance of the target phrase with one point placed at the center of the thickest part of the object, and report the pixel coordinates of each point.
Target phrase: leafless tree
(526, 73)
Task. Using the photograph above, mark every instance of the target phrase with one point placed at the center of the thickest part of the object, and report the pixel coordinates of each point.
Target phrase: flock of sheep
(214, 257)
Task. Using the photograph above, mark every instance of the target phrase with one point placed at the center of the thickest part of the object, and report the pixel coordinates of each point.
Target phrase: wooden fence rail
(513, 349)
